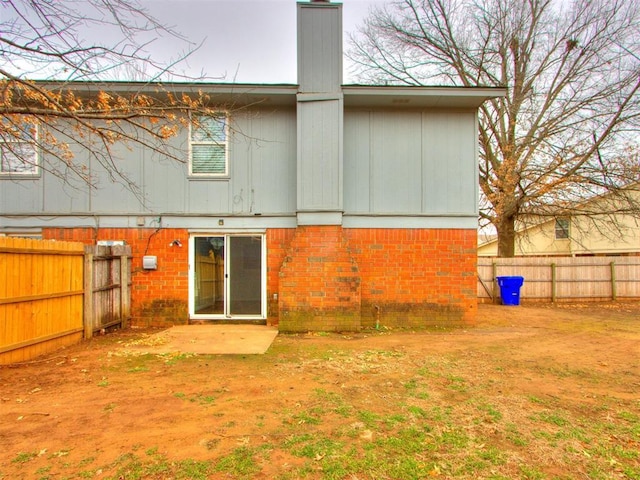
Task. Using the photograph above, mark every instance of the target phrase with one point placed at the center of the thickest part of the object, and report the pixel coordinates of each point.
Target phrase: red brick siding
(319, 282)
(416, 277)
(325, 276)
(278, 241)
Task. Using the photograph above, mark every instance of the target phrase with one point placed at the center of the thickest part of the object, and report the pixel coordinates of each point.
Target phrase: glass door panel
(245, 275)
(209, 275)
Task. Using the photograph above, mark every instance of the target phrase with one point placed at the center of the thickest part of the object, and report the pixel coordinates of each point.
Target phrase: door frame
(263, 274)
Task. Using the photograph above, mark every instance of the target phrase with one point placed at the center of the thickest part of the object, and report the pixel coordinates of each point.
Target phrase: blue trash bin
(510, 289)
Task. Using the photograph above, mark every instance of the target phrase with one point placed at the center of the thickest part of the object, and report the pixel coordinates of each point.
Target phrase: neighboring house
(586, 234)
(321, 206)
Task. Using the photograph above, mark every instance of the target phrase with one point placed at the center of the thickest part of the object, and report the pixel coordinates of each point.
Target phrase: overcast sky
(245, 41)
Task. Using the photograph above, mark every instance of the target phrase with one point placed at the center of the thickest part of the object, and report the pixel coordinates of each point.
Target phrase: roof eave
(419, 97)
(355, 96)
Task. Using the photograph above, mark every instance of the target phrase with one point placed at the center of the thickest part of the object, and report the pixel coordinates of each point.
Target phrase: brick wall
(345, 279)
(318, 277)
(319, 282)
(278, 242)
(160, 297)
(416, 277)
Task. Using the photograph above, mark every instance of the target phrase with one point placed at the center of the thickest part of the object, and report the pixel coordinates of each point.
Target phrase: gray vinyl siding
(320, 47)
(111, 194)
(165, 184)
(450, 176)
(357, 164)
(21, 194)
(320, 155)
(262, 164)
(396, 163)
(271, 148)
(410, 163)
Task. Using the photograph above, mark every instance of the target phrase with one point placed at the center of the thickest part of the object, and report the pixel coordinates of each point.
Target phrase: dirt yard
(530, 392)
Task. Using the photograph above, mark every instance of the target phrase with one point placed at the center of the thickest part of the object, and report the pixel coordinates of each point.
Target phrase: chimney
(319, 279)
(319, 46)
(319, 113)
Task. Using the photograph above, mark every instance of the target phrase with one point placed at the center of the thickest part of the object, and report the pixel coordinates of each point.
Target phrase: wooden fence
(44, 287)
(107, 281)
(563, 278)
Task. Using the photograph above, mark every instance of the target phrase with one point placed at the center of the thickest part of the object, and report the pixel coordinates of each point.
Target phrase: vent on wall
(150, 262)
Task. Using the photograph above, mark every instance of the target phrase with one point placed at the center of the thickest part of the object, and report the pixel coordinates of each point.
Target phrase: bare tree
(57, 90)
(567, 129)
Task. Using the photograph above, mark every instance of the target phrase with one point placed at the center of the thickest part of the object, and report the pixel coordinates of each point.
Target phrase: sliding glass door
(227, 276)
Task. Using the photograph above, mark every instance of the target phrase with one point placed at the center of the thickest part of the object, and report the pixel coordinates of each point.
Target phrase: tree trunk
(507, 237)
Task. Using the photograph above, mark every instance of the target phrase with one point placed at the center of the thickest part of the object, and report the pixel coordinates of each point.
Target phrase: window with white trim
(18, 149)
(208, 145)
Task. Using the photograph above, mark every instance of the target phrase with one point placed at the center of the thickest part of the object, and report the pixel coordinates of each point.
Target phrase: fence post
(88, 292)
(494, 273)
(553, 283)
(614, 288)
(125, 298)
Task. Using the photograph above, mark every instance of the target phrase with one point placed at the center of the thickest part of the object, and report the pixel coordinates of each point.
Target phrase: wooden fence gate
(107, 274)
(53, 294)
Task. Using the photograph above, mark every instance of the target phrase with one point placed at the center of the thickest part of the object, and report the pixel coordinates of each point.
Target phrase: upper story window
(562, 228)
(208, 145)
(18, 149)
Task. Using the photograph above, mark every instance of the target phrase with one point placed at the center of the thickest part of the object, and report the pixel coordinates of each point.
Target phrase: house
(321, 206)
(603, 225)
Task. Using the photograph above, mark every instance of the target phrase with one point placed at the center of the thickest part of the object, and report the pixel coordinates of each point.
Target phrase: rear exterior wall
(408, 278)
(416, 277)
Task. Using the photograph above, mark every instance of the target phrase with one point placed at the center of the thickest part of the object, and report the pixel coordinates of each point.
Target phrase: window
(18, 151)
(562, 228)
(208, 146)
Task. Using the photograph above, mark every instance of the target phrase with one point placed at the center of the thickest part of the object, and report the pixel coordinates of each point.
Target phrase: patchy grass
(505, 400)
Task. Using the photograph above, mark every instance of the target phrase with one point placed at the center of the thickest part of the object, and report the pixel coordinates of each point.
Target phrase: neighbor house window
(18, 150)
(208, 145)
(562, 228)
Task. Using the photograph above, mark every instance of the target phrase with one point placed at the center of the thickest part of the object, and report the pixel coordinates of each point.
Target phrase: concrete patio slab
(209, 339)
